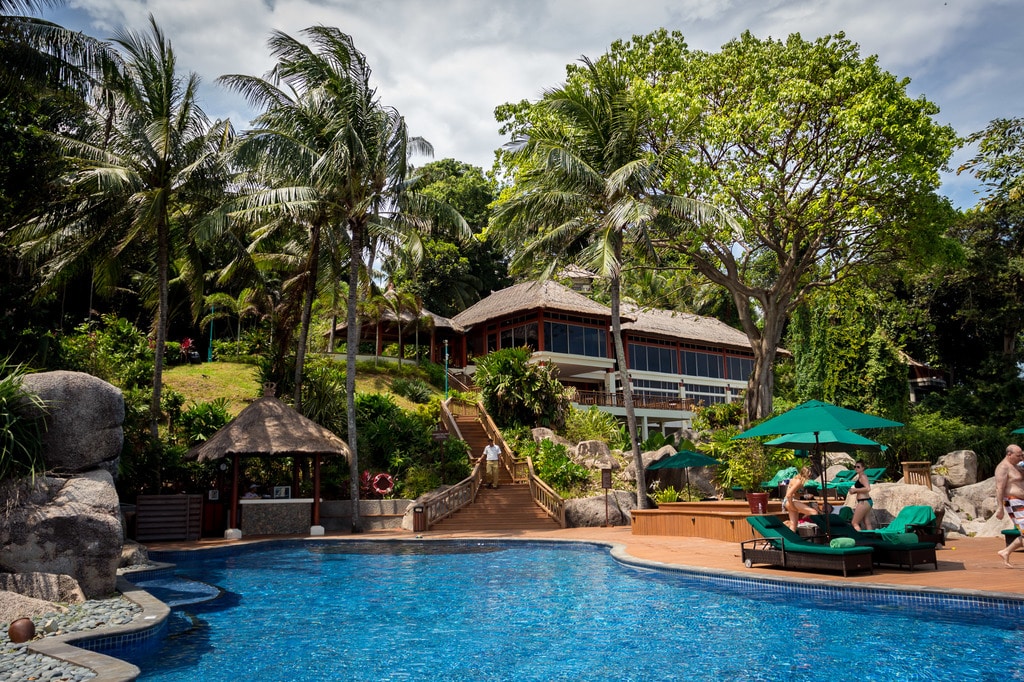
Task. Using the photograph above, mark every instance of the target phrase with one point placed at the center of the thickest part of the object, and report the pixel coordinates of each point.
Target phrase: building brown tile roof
(530, 295)
(680, 325)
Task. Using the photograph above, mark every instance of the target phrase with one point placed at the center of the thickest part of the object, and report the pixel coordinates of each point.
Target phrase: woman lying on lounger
(793, 502)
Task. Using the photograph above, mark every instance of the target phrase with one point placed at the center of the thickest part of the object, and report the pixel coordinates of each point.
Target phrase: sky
(446, 64)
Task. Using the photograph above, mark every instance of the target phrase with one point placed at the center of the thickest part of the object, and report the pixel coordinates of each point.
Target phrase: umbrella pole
(824, 488)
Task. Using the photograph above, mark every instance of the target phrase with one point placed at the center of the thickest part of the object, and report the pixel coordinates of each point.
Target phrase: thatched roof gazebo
(269, 428)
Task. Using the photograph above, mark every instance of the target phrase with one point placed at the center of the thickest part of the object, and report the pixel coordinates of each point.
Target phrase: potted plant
(745, 465)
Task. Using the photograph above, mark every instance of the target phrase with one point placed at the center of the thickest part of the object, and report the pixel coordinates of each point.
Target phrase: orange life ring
(383, 483)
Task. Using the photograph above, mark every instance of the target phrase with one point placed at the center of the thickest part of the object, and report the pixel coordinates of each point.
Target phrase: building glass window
(697, 364)
(740, 368)
(652, 358)
(575, 339)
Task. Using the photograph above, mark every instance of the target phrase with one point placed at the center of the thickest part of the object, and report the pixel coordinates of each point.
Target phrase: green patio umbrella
(811, 439)
(846, 441)
(815, 418)
(684, 459)
(1020, 430)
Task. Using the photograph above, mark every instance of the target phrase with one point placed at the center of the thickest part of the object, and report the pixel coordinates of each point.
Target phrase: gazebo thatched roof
(530, 295)
(269, 428)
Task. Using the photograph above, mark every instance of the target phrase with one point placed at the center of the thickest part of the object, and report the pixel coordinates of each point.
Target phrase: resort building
(675, 360)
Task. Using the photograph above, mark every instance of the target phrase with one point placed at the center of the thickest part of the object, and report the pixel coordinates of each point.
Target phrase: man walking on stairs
(492, 452)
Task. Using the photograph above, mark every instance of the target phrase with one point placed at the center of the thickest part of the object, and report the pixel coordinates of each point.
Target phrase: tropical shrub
(593, 424)
(516, 391)
(666, 494)
(112, 349)
(552, 464)
(656, 441)
(201, 420)
(21, 425)
(414, 389)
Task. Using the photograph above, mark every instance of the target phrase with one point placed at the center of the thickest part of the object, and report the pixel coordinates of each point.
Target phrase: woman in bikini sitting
(793, 503)
(862, 488)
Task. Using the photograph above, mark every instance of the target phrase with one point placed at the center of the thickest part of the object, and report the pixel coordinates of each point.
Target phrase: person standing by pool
(1010, 496)
(492, 452)
(793, 503)
(862, 489)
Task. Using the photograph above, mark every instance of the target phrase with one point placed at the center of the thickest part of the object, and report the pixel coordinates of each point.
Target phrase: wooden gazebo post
(316, 528)
(233, 533)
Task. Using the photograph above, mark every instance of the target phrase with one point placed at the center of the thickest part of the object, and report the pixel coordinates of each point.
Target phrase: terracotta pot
(21, 630)
(758, 502)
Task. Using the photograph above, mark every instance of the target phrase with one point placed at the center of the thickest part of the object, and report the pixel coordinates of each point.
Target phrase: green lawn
(237, 382)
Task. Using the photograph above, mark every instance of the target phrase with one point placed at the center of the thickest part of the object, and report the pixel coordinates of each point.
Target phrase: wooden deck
(965, 565)
(719, 520)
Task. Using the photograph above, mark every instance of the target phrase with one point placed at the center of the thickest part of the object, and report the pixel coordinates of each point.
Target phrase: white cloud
(445, 64)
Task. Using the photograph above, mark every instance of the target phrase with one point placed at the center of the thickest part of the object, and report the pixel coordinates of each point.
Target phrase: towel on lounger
(842, 542)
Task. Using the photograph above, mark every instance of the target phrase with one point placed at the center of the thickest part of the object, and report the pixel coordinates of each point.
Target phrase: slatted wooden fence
(168, 517)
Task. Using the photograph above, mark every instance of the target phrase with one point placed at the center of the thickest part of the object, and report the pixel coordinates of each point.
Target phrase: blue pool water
(538, 611)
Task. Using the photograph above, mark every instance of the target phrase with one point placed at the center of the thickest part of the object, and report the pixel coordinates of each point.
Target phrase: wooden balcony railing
(640, 400)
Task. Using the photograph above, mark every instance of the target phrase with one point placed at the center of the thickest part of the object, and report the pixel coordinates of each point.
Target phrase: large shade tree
(146, 168)
(586, 173)
(823, 159)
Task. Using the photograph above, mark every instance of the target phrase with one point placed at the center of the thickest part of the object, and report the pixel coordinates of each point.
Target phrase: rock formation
(68, 525)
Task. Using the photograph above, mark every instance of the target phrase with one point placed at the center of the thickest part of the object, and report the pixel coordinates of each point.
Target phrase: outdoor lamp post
(446, 369)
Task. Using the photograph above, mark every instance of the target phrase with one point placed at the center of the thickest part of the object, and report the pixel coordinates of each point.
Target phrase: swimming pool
(460, 610)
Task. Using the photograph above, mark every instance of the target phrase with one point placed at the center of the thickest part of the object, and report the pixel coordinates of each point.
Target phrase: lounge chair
(779, 546)
(888, 549)
(781, 475)
(842, 488)
(919, 519)
(844, 476)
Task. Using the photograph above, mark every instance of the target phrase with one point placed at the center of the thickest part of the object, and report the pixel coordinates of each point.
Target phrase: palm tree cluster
(297, 206)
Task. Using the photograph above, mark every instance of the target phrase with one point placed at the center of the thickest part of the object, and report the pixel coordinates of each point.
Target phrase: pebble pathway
(17, 664)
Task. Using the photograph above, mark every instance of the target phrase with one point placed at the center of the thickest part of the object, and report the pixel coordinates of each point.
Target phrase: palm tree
(373, 310)
(586, 177)
(398, 304)
(332, 157)
(36, 51)
(148, 166)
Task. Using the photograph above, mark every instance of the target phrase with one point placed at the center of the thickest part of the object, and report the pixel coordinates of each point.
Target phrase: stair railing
(545, 496)
(516, 467)
(440, 506)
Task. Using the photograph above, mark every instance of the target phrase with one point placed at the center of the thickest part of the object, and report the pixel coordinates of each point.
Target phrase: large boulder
(595, 454)
(977, 501)
(49, 587)
(83, 421)
(589, 512)
(67, 526)
(648, 458)
(959, 468)
(890, 498)
(14, 606)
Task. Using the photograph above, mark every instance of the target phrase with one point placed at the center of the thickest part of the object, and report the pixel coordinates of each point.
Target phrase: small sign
(282, 492)
(606, 478)
(440, 435)
(213, 495)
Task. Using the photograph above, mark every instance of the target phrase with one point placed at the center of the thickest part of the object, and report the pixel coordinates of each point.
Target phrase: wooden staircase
(507, 508)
